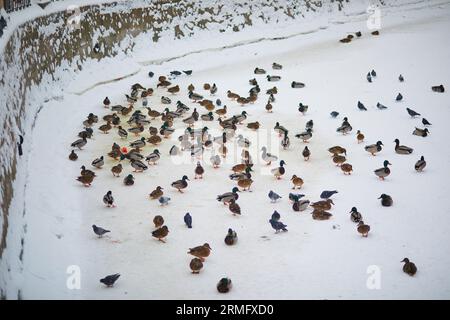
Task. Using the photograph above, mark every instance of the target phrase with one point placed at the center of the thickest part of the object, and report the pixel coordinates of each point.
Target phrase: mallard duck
(253, 125)
(359, 136)
(232, 95)
(201, 252)
(239, 167)
(336, 150)
(207, 117)
(136, 130)
(297, 85)
(224, 285)
(117, 170)
(409, 267)
(86, 133)
(223, 151)
(153, 157)
(259, 71)
(215, 161)
(138, 144)
(273, 78)
(138, 166)
(374, 148)
(302, 108)
(221, 112)
(174, 89)
(421, 132)
(402, 149)
(226, 198)
(122, 132)
(128, 180)
(157, 193)
(181, 184)
(300, 205)
(277, 66)
(153, 114)
(231, 237)
(161, 233)
(158, 221)
(279, 171)
(98, 163)
(285, 142)
(306, 153)
(196, 265)
(347, 168)
(322, 204)
(80, 143)
(245, 183)
(355, 216)
(339, 160)
(166, 131)
(86, 180)
(268, 157)
(386, 200)
(420, 164)
(279, 129)
(344, 129)
(363, 229)
(199, 171)
(126, 111)
(305, 136)
(321, 215)
(234, 207)
(297, 181)
(108, 199)
(154, 140)
(73, 156)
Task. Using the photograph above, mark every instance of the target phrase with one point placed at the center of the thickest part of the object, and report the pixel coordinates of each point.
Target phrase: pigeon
(400, 78)
(151, 74)
(278, 225)
(380, 106)
(334, 114)
(373, 73)
(108, 199)
(369, 77)
(361, 106)
(187, 72)
(99, 231)
(399, 97)
(274, 196)
(175, 73)
(276, 216)
(295, 196)
(425, 122)
(327, 194)
(302, 108)
(412, 113)
(164, 200)
(109, 280)
(188, 220)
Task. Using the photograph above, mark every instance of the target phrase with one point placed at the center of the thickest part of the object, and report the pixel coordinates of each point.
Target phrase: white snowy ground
(315, 259)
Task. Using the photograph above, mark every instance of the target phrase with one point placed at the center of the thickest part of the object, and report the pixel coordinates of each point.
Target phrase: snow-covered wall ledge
(41, 54)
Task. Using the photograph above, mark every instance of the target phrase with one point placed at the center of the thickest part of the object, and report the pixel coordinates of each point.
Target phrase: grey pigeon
(109, 280)
(276, 216)
(361, 106)
(412, 113)
(274, 196)
(278, 225)
(99, 230)
(164, 200)
(334, 114)
(380, 106)
(373, 73)
(400, 78)
(369, 77)
(327, 194)
(425, 122)
(399, 97)
(188, 220)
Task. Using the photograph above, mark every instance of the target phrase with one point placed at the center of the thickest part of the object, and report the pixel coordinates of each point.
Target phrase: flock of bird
(136, 118)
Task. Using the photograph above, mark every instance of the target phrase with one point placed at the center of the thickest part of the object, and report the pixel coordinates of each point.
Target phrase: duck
(269, 107)
(86, 180)
(383, 172)
(271, 98)
(273, 90)
(98, 163)
(73, 156)
(232, 95)
(268, 157)
(80, 143)
(302, 108)
(181, 184)
(87, 172)
(136, 130)
(199, 171)
(421, 132)
(239, 167)
(279, 171)
(215, 160)
(409, 267)
(273, 78)
(222, 112)
(191, 88)
(242, 175)
(297, 181)
(400, 149)
(321, 215)
(386, 200)
(174, 151)
(297, 85)
(161, 233)
(344, 128)
(359, 136)
(166, 131)
(138, 144)
(322, 204)
(129, 180)
(231, 237)
(105, 127)
(138, 166)
(306, 153)
(213, 89)
(106, 102)
(300, 205)
(285, 142)
(153, 114)
(158, 221)
(122, 132)
(153, 157)
(223, 150)
(305, 136)
(207, 117)
(374, 148)
(108, 199)
(277, 66)
(339, 160)
(157, 193)
(174, 89)
(363, 228)
(279, 129)
(243, 142)
(245, 183)
(226, 198)
(234, 207)
(439, 88)
(201, 252)
(420, 164)
(117, 170)
(224, 285)
(336, 150)
(196, 265)
(154, 139)
(355, 216)
(86, 133)
(259, 71)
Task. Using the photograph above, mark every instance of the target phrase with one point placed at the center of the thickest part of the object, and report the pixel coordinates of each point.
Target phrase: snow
(314, 259)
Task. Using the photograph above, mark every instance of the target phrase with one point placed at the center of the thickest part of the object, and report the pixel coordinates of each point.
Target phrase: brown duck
(201, 252)
(359, 136)
(253, 125)
(158, 221)
(234, 207)
(161, 233)
(297, 181)
(409, 267)
(337, 150)
(73, 156)
(174, 89)
(157, 193)
(154, 140)
(232, 95)
(321, 215)
(339, 160)
(363, 229)
(221, 112)
(322, 205)
(347, 168)
(245, 184)
(199, 171)
(117, 170)
(196, 265)
(86, 180)
(105, 127)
